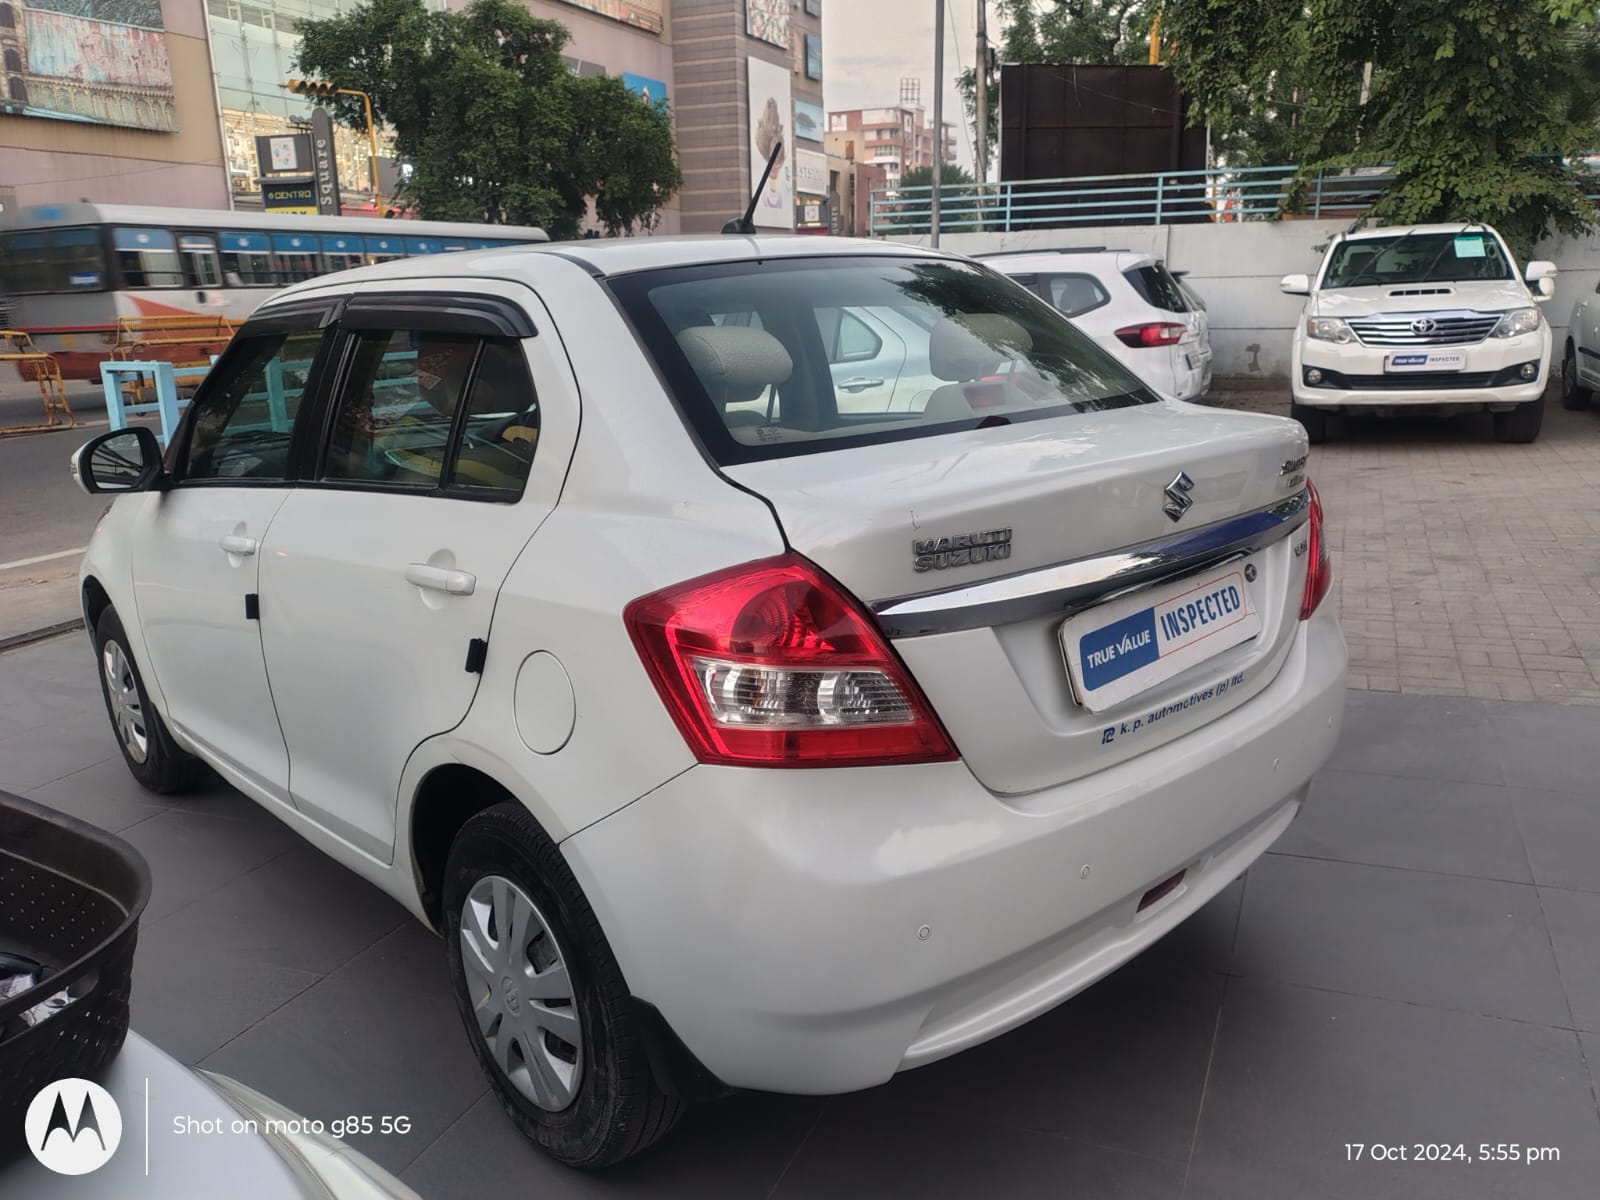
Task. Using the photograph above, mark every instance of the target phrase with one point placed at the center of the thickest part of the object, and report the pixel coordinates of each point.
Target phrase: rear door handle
(860, 385)
(235, 543)
(438, 579)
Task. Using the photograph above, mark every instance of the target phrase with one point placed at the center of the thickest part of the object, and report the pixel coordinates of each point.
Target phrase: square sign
(283, 152)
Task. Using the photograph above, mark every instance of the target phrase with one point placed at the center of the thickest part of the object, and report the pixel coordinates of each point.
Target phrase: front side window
(1410, 258)
(244, 415)
(977, 351)
(147, 258)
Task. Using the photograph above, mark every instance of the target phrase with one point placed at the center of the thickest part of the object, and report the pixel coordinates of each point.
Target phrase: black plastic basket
(70, 899)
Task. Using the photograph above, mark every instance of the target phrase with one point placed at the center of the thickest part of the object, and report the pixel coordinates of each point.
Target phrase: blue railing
(1220, 194)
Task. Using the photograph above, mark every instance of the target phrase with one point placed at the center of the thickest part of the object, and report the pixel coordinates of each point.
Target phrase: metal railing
(1222, 194)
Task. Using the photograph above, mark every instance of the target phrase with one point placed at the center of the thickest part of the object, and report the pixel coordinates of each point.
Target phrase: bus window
(78, 259)
(294, 257)
(25, 263)
(246, 259)
(147, 258)
(416, 245)
(384, 249)
(201, 268)
(341, 253)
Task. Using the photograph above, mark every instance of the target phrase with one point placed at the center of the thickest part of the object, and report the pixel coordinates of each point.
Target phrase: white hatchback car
(1422, 317)
(1139, 311)
(733, 735)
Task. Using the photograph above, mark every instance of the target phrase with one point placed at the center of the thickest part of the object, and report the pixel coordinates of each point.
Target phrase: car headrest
(972, 345)
(735, 363)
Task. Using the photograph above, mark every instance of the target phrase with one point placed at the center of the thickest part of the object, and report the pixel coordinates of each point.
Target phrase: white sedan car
(1136, 309)
(732, 734)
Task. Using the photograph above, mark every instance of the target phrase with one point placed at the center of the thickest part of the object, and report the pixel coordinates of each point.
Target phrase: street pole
(372, 148)
(938, 114)
(983, 94)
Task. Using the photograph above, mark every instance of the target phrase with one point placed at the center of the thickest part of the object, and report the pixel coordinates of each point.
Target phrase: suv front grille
(1449, 329)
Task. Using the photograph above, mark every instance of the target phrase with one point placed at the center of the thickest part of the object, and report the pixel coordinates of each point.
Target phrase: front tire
(1521, 424)
(1318, 422)
(1574, 395)
(153, 758)
(542, 998)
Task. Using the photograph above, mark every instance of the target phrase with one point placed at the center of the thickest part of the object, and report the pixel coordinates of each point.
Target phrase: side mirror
(124, 460)
(1295, 285)
(1541, 275)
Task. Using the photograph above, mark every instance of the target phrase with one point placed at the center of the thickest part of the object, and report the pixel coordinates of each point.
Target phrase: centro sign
(324, 166)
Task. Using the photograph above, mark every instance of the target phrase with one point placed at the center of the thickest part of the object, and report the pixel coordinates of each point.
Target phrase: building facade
(899, 139)
(108, 100)
(748, 74)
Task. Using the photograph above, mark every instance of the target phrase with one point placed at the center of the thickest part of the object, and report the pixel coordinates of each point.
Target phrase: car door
(447, 432)
(196, 556)
(865, 358)
(1586, 337)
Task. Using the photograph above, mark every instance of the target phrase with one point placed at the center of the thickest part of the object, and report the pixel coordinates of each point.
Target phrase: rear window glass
(769, 360)
(1157, 286)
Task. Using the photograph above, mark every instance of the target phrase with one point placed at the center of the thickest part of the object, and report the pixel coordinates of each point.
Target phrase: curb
(39, 635)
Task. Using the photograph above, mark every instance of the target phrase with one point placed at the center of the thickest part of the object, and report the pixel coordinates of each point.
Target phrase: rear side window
(1156, 286)
(970, 350)
(404, 398)
(245, 413)
(1074, 295)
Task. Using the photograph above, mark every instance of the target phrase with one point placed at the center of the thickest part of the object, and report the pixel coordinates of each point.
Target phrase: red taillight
(1319, 567)
(772, 664)
(1160, 333)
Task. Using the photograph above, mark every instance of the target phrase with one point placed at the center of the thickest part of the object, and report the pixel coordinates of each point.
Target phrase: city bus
(72, 271)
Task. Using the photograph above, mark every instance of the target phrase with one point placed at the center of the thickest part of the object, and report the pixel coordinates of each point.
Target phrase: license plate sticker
(1127, 646)
(1447, 360)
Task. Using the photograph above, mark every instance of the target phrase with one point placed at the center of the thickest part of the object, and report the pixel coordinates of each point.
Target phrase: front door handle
(438, 579)
(236, 543)
(860, 385)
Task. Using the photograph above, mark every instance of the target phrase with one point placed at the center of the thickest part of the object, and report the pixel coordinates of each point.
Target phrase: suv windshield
(774, 359)
(1417, 258)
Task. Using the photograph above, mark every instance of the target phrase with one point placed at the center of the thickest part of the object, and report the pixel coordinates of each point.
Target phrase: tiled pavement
(1415, 962)
(1465, 567)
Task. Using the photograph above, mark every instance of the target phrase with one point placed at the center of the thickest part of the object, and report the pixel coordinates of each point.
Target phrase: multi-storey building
(899, 139)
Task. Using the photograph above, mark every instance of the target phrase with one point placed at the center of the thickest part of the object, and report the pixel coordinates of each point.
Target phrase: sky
(868, 45)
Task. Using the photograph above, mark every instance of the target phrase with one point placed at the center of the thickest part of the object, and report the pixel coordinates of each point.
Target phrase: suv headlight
(1517, 321)
(1329, 329)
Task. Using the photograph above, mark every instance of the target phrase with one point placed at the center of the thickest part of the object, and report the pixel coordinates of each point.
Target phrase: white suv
(1136, 309)
(1430, 316)
(733, 735)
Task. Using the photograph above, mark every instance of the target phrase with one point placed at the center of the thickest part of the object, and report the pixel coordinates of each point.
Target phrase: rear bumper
(816, 931)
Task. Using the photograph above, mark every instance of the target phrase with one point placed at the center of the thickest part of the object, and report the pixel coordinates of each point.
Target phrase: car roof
(603, 257)
(1393, 231)
(1066, 259)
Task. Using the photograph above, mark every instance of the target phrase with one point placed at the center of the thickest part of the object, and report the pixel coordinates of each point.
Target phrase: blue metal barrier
(167, 404)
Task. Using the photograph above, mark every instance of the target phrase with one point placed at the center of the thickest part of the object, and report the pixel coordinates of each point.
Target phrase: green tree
(491, 122)
(955, 191)
(1100, 32)
(1475, 103)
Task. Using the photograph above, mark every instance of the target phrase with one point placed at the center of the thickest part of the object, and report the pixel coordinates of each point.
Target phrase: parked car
(1580, 359)
(1130, 304)
(749, 738)
(1424, 317)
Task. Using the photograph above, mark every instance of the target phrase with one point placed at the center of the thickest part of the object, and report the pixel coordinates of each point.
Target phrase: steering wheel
(528, 417)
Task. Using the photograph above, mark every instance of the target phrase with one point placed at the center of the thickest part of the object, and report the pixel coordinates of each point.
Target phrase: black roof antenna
(747, 223)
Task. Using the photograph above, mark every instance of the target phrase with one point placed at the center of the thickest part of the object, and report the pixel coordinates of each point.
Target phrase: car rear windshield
(1417, 258)
(774, 359)
(1158, 287)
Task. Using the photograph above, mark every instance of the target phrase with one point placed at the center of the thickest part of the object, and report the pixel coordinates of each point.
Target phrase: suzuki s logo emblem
(73, 1126)
(1178, 499)
(1423, 326)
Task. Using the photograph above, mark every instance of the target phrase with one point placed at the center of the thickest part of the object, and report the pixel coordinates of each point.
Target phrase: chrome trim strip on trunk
(1067, 588)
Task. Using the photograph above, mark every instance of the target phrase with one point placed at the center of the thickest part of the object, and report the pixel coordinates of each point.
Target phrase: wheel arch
(447, 797)
(95, 600)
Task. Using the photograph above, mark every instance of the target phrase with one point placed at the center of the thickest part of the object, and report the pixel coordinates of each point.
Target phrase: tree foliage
(1475, 103)
(955, 190)
(491, 123)
(1098, 32)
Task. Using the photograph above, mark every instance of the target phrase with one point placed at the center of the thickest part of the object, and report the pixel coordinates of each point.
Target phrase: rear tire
(1319, 423)
(153, 758)
(1574, 395)
(1521, 424)
(577, 1079)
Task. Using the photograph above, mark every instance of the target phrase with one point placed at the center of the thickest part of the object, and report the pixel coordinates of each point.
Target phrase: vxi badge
(963, 550)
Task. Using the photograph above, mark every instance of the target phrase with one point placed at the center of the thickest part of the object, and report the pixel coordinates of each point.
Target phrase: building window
(8, 18)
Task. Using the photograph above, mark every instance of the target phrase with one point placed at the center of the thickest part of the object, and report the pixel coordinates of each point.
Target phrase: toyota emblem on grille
(1178, 499)
(1423, 326)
